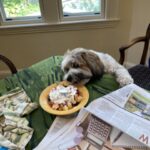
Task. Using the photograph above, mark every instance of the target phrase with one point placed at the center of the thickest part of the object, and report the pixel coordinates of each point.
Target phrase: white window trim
(51, 21)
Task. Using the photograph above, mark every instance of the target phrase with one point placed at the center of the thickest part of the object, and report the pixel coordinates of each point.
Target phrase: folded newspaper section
(127, 109)
(116, 119)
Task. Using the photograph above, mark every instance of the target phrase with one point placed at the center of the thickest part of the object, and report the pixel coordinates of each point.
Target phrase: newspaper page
(58, 128)
(86, 132)
(127, 109)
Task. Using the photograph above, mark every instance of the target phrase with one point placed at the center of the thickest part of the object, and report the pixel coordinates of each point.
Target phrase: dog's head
(80, 65)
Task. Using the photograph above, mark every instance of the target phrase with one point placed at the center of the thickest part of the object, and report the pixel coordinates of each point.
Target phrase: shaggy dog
(80, 65)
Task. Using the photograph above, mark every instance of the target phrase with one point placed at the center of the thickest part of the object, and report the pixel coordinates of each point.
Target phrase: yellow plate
(44, 99)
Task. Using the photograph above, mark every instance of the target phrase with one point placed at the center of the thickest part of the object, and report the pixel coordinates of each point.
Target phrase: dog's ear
(93, 62)
(67, 52)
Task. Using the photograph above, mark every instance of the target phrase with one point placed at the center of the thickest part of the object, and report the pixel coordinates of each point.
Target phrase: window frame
(80, 17)
(51, 22)
(19, 20)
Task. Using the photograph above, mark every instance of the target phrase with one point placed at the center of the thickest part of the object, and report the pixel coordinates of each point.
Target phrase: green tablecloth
(37, 77)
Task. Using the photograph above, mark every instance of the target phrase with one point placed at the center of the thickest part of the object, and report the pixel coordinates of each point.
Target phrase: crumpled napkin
(14, 130)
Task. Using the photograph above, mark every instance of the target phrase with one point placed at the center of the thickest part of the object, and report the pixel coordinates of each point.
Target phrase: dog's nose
(69, 78)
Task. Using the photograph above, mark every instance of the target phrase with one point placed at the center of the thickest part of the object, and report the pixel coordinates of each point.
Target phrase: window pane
(78, 7)
(21, 8)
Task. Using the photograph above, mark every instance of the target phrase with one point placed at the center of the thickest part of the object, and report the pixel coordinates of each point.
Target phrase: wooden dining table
(36, 78)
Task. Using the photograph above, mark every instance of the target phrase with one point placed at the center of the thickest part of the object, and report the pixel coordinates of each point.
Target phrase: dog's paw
(124, 81)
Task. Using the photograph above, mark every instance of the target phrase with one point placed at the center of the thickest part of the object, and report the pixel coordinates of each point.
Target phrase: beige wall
(139, 22)
(27, 49)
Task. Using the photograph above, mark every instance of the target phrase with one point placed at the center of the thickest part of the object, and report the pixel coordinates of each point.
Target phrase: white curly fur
(110, 66)
(113, 67)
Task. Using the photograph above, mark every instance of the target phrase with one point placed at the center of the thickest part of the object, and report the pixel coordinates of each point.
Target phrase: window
(53, 15)
(80, 9)
(20, 9)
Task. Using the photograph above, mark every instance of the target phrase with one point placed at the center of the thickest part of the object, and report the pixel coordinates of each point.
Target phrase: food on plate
(64, 97)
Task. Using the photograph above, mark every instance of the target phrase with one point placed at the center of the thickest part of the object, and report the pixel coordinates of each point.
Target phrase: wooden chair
(9, 63)
(140, 72)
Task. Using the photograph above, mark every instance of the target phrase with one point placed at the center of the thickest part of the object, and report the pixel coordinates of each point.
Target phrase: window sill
(55, 27)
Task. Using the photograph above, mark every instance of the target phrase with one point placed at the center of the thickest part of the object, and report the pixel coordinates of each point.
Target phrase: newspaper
(127, 109)
(119, 119)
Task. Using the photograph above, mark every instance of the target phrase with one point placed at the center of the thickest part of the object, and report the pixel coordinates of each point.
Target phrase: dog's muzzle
(77, 78)
(69, 78)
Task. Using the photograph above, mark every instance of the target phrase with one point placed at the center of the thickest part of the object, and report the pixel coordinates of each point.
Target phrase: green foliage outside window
(20, 8)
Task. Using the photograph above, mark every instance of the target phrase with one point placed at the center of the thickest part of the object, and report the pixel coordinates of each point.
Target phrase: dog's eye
(66, 69)
(74, 65)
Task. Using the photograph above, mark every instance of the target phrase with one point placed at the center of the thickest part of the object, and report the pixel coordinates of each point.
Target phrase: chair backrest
(144, 39)
(146, 45)
(9, 64)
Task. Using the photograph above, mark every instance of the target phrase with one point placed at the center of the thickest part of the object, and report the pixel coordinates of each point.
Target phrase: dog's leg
(123, 76)
(121, 73)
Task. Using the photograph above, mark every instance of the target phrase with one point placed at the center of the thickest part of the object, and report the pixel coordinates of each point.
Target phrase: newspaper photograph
(95, 133)
(138, 104)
